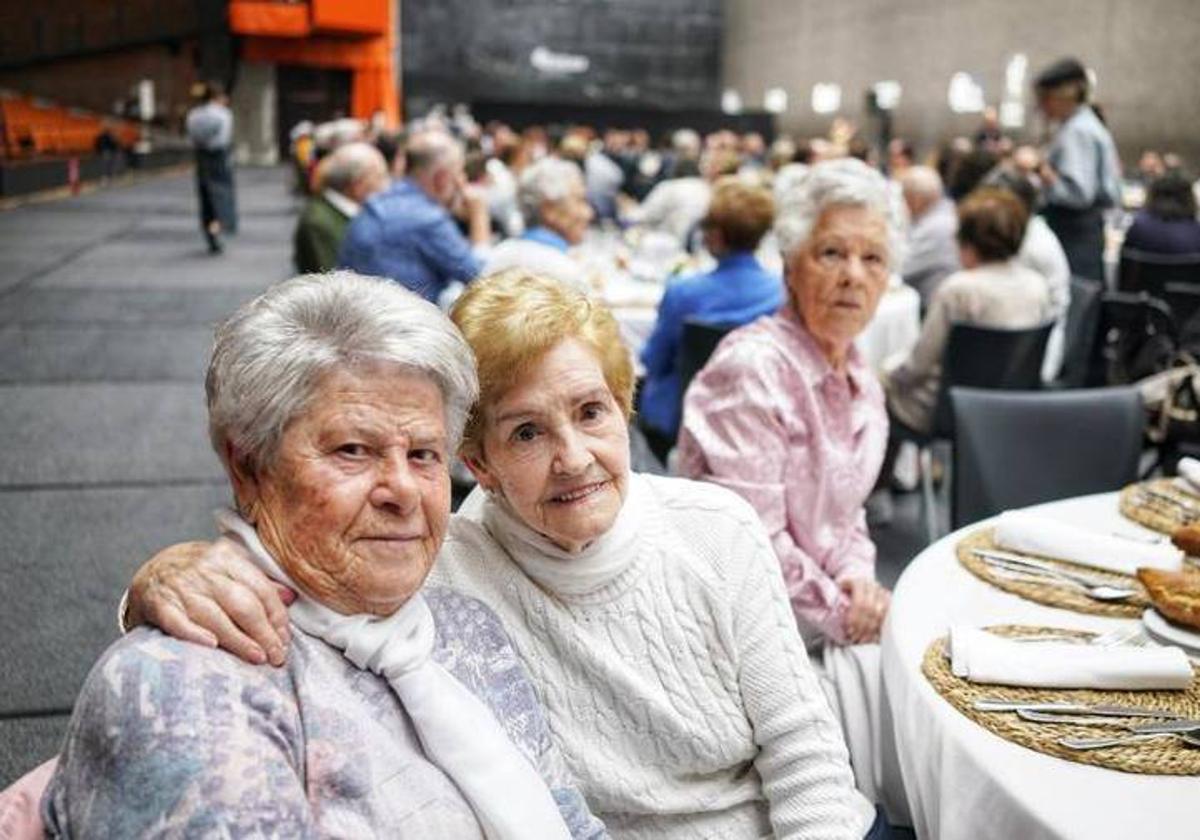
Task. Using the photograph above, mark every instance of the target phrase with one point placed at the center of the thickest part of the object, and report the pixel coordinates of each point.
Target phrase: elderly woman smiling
(650, 611)
(334, 402)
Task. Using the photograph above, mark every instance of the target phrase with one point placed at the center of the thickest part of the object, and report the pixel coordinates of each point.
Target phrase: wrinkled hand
(212, 595)
(869, 604)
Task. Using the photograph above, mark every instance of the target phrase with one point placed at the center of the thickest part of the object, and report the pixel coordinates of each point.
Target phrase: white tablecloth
(895, 327)
(960, 780)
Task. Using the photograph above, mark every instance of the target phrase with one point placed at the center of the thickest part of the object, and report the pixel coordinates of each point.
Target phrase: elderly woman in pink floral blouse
(789, 415)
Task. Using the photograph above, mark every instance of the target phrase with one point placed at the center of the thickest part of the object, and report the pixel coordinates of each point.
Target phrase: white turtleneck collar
(554, 568)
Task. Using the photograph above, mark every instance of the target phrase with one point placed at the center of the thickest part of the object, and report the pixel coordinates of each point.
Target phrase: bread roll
(1187, 539)
(1175, 594)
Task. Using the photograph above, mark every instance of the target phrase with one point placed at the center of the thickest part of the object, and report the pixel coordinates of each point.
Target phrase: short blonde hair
(513, 318)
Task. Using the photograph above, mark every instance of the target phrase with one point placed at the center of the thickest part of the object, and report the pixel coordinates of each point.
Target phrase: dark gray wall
(1144, 53)
(657, 53)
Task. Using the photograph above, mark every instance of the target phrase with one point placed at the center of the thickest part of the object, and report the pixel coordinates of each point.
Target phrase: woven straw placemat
(1159, 756)
(1052, 595)
(1160, 504)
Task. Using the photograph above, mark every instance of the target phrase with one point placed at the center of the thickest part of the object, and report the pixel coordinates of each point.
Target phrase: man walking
(210, 128)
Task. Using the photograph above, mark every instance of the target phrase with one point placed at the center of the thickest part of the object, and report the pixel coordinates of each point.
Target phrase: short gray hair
(923, 181)
(270, 356)
(841, 182)
(550, 179)
(430, 149)
(346, 164)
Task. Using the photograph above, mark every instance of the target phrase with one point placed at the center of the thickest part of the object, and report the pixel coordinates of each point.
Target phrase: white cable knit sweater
(668, 660)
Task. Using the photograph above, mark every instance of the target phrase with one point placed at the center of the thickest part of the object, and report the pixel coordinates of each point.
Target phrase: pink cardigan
(770, 419)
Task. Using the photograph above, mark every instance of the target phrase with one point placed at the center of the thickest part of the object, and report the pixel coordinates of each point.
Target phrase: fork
(1128, 636)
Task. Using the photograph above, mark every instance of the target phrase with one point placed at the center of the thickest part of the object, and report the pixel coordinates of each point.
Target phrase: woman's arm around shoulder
(172, 739)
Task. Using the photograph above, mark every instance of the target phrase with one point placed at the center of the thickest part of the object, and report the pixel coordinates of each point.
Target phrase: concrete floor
(107, 302)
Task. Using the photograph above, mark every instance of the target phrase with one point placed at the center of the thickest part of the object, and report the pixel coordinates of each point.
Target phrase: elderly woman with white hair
(788, 414)
(557, 214)
(335, 403)
(650, 610)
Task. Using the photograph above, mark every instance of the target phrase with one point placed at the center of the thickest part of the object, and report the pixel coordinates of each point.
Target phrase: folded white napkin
(981, 657)
(1189, 471)
(1032, 534)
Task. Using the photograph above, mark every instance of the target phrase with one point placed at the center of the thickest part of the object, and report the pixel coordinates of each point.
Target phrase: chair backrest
(1143, 271)
(988, 357)
(1184, 300)
(1014, 449)
(1083, 321)
(1137, 337)
(697, 343)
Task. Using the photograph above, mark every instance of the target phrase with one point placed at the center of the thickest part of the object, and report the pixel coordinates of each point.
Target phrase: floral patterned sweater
(170, 739)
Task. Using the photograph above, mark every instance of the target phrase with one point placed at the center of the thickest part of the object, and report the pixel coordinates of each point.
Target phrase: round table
(961, 781)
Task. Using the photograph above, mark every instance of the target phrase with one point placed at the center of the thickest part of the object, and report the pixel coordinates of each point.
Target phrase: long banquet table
(961, 781)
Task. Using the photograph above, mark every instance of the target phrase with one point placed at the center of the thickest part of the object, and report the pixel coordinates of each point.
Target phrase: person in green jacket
(345, 179)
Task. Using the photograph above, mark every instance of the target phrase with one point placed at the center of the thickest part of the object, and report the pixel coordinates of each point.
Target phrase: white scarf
(604, 560)
(459, 733)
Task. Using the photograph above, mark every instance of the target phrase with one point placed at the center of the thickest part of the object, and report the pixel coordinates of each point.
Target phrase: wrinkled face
(556, 447)
(355, 504)
(570, 216)
(837, 277)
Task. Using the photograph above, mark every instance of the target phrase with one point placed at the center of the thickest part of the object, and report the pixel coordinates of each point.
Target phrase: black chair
(976, 357)
(1143, 271)
(1079, 333)
(1136, 337)
(983, 357)
(697, 343)
(1184, 300)
(1013, 449)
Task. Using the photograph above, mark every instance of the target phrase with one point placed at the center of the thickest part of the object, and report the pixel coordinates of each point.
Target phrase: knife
(992, 704)
(1180, 725)
(1008, 559)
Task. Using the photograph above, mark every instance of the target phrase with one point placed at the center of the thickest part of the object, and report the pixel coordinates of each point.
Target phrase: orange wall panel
(281, 20)
(369, 17)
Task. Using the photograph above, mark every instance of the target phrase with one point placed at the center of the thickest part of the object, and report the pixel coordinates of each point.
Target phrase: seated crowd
(581, 648)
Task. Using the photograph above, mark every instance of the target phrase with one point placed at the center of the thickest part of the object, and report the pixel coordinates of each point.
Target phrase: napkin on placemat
(981, 657)
(1189, 471)
(1032, 534)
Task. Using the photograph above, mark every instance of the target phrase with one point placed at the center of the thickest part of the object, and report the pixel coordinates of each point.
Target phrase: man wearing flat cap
(1080, 173)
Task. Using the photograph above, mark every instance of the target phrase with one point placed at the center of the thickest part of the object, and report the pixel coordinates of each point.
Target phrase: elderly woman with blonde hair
(335, 402)
(650, 611)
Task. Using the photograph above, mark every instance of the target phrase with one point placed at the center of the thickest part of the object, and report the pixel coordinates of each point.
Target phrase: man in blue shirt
(407, 233)
(736, 292)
